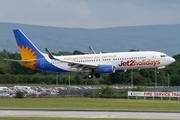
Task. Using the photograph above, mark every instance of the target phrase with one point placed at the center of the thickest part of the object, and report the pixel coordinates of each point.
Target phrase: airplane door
(42, 63)
(153, 57)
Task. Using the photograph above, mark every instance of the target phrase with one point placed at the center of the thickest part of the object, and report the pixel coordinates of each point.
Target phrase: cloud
(90, 14)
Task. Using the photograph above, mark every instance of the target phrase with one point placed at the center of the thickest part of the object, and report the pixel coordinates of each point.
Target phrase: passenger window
(163, 55)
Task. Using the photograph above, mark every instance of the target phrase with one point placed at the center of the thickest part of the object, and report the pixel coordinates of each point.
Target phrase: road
(89, 113)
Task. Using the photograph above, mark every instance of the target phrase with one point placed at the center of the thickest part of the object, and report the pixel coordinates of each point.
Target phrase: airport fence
(76, 92)
(80, 92)
(161, 88)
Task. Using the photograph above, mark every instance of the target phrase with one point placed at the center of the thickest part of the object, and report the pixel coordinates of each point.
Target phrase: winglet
(49, 54)
(92, 51)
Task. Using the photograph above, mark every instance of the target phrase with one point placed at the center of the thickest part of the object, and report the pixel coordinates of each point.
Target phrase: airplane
(95, 64)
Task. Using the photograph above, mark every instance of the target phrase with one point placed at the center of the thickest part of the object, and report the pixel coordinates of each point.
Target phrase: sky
(90, 14)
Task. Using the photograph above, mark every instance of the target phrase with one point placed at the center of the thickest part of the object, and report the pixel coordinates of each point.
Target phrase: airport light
(69, 79)
(155, 78)
(56, 79)
(131, 77)
(168, 80)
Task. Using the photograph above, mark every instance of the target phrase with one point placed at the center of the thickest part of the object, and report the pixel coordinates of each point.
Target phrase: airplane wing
(77, 64)
(80, 66)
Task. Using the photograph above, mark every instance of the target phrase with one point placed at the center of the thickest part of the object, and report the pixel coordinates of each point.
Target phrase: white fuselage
(121, 60)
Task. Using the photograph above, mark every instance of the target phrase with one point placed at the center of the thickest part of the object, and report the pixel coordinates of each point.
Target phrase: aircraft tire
(97, 75)
(90, 76)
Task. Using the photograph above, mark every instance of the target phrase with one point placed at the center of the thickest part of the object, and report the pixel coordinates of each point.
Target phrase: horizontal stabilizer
(25, 61)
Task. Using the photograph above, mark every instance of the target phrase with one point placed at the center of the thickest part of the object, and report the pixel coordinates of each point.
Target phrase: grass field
(89, 103)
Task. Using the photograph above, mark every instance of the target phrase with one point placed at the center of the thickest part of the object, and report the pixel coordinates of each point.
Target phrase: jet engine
(106, 69)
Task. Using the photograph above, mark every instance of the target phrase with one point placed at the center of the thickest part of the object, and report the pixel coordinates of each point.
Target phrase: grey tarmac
(66, 113)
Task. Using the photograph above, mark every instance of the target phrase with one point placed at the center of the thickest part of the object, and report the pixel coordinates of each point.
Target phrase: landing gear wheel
(97, 75)
(90, 76)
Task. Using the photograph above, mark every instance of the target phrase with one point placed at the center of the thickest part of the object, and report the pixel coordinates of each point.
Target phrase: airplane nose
(171, 60)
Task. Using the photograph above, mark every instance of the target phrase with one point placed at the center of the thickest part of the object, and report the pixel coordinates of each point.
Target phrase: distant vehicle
(4, 93)
(75, 87)
(53, 93)
(95, 64)
(22, 87)
(31, 95)
(44, 94)
(61, 88)
(4, 88)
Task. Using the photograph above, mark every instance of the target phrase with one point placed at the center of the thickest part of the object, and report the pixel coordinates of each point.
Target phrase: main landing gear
(90, 76)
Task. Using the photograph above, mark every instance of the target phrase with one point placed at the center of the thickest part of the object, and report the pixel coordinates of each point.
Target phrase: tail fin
(92, 51)
(26, 48)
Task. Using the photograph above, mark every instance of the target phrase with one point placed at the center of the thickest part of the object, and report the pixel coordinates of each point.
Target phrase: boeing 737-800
(95, 64)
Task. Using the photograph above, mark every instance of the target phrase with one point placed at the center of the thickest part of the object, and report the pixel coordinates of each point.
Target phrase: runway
(89, 113)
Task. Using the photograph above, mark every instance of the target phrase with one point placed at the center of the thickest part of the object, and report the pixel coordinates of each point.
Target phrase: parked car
(31, 95)
(44, 94)
(4, 93)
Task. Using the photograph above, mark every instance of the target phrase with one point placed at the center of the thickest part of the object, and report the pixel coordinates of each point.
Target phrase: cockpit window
(163, 55)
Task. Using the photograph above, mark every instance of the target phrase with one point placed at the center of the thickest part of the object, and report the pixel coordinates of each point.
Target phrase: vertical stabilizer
(27, 49)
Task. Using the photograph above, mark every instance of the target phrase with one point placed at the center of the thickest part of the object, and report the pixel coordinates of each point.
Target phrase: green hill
(164, 38)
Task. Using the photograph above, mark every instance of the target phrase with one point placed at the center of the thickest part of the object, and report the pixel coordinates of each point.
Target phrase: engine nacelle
(106, 69)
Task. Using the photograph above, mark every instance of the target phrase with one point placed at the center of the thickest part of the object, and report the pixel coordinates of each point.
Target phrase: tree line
(13, 72)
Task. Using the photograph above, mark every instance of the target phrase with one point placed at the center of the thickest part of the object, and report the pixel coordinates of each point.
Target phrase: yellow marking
(11, 114)
(91, 51)
(48, 53)
(27, 55)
